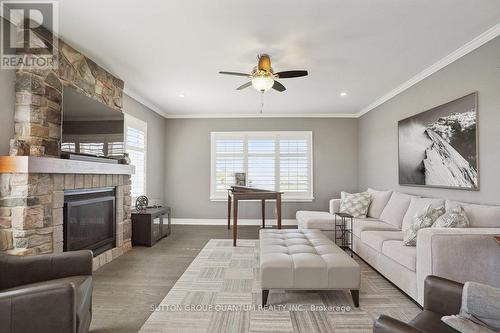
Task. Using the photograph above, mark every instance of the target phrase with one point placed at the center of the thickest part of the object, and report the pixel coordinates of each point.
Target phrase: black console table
(343, 231)
(150, 225)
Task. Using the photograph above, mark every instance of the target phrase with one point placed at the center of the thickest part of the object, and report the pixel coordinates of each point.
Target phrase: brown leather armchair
(46, 293)
(442, 297)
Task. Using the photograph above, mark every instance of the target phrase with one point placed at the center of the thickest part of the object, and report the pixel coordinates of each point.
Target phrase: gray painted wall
(187, 147)
(7, 102)
(155, 164)
(378, 141)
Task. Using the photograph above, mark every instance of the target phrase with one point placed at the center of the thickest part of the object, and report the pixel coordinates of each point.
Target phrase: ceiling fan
(263, 77)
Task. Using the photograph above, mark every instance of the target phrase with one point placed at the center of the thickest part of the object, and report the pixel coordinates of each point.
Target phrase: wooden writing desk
(237, 193)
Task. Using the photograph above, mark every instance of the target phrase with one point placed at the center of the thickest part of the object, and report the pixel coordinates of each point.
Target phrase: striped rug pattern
(220, 292)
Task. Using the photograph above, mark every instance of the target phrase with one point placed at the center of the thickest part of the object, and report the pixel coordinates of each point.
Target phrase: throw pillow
(417, 205)
(464, 325)
(424, 219)
(379, 201)
(355, 204)
(481, 304)
(480, 310)
(396, 208)
(454, 218)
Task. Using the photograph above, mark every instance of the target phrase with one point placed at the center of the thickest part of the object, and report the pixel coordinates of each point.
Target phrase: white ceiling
(366, 48)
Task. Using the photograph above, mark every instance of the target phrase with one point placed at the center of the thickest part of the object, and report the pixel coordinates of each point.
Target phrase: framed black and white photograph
(439, 147)
(240, 178)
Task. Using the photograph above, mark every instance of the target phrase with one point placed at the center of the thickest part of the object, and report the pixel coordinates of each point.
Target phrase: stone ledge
(32, 164)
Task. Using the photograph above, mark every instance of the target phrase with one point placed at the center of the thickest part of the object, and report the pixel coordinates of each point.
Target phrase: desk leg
(235, 221)
(278, 209)
(228, 212)
(263, 213)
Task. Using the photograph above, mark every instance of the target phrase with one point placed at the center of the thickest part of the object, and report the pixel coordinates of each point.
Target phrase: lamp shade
(262, 83)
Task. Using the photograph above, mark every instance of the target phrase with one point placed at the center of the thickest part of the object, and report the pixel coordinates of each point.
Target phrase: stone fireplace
(33, 179)
(32, 204)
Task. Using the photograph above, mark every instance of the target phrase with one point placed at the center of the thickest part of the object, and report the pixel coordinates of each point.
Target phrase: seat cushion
(304, 259)
(430, 322)
(417, 205)
(396, 208)
(360, 225)
(403, 255)
(480, 216)
(307, 219)
(83, 292)
(375, 239)
(379, 201)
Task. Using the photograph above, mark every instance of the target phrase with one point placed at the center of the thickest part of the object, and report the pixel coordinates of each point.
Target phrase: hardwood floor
(126, 288)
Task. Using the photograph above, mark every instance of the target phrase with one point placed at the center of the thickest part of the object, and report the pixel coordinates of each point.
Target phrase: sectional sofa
(465, 254)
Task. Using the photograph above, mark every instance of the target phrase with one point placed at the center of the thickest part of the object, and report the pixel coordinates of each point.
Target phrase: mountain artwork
(438, 147)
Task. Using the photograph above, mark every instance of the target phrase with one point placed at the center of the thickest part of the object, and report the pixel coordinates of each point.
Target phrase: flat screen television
(90, 127)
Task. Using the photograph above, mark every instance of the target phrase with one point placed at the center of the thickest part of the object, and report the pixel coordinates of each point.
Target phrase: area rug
(220, 292)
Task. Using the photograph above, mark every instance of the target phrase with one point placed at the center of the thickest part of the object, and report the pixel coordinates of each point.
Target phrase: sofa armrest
(18, 271)
(334, 206)
(458, 254)
(48, 307)
(386, 324)
(442, 295)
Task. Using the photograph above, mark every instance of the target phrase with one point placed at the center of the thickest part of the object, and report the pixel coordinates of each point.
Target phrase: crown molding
(450, 58)
(259, 115)
(144, 101)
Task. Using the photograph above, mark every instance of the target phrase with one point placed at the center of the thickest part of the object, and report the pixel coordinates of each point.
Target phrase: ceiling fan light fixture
(263, 83)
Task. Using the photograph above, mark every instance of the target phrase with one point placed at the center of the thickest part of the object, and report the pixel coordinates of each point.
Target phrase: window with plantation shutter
(279, 161)
(229, 158)
(136, 147)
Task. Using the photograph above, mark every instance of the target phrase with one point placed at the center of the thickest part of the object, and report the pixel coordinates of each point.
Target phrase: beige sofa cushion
(307, 219)
(396, 208)
(360, 225)
(480, 216)
(417, 205)
(403, 255)
(379, 201)
(375, 239)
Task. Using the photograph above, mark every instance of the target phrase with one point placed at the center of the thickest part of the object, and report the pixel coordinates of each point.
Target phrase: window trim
(238, 134)
(141, 125)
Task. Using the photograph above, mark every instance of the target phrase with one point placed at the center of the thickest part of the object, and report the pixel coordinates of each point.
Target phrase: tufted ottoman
(305, 259)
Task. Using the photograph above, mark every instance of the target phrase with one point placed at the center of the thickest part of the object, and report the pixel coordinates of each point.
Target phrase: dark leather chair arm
(45, 308)
(18, 271)
(442, 295)
(386, 324)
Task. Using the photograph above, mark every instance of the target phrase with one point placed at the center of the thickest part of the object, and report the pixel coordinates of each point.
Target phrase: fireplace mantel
(32, 164)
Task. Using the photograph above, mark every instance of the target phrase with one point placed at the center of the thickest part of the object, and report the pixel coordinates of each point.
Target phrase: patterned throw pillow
(454, 218)
(355, 204)
(424, 219)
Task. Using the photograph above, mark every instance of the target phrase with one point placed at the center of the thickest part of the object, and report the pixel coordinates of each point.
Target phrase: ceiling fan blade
(278, 86)
(243, 86)
(290, 74)
(235, 73)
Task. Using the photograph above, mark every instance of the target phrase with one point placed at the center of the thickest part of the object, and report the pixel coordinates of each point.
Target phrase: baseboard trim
(269, 222)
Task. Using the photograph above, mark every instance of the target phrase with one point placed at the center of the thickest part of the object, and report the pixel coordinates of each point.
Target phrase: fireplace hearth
(89, 219)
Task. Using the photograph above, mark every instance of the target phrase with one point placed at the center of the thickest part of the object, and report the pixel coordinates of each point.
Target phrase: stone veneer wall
(39, 97)
(31, 212)
(31, 215)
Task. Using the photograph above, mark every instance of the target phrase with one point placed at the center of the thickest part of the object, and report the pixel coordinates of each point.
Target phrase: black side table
(149, 225)
(343, 231)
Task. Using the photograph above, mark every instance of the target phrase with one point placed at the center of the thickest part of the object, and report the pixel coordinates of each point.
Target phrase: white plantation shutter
(261, 163)
(229, 158)
(294, 165)
(280, 161)
(135, 146)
